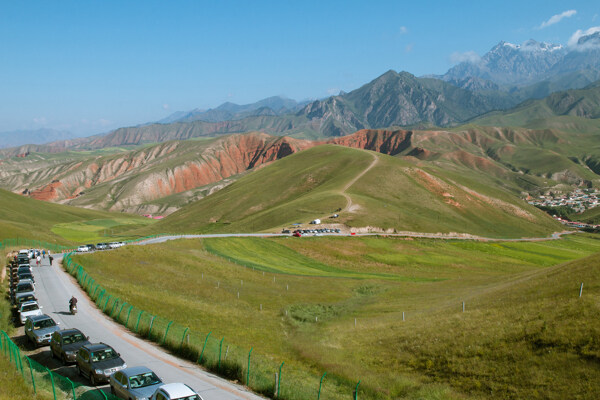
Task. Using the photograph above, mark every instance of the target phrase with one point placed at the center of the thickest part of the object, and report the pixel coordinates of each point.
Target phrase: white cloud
(579, 33)
(467, 56)
(403, 30)
(557, 18)
(409, 48)
(166, 106)
(333, 91)
(40, 120)
(594, 17)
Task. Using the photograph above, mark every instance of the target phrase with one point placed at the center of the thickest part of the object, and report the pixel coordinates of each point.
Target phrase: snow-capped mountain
(510, 65)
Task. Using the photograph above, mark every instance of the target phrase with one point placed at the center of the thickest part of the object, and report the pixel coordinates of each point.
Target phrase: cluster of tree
(563, 212)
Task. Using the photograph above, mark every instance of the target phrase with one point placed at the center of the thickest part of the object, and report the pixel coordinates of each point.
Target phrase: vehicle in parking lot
(297, 234)
(175, 391)
(23, 297)
(65, 344)
(97, 361)
(91, 246)
(102, 246)
(25, 275)
(22, 287)
(40, 328)
(134, 383)
(29, 309)
(83, 248)
(23, 259)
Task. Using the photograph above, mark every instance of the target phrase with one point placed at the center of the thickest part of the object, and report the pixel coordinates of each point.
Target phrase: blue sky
(91, 66)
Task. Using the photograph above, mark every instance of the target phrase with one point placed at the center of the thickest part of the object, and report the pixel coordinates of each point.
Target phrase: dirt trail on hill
(350, 207)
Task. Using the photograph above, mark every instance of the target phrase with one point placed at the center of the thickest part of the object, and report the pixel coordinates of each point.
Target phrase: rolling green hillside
(392, 195)
(525, 333)
(569, 106)
(22, 217)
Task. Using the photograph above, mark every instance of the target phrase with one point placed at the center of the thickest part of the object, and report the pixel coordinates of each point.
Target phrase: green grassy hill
(22, 217)
(560, 108)
(393, 194)
(525, 332)
(591, 216)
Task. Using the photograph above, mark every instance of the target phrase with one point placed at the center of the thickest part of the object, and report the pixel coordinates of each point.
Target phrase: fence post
(248, 372)
(320, 385)
(72, 388)
(103, 394)
(183, 338)
(52, 380)
(137, 324)
(166, 332)
(95, 290)
(31, 372)
(106, 303)
(203, 347)
(128, 313)
(151, 323)
(20, 360)
(279, 380)
(120, 310)
(100, 296)
(356, 391)
(112, 311)
(220, 348)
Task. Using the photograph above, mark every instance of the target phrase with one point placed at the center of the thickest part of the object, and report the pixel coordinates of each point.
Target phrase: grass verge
(398, 337)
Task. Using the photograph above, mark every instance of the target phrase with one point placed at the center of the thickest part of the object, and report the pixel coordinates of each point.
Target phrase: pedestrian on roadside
(38, 259)
(43, 253)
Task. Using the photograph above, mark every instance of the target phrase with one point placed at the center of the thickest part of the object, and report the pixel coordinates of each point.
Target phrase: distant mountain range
(508, 66)
(38, 136)
(275, 105)
(506, 76)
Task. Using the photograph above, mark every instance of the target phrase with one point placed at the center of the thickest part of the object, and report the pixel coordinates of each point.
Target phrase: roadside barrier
(262, 374)
(45, 383)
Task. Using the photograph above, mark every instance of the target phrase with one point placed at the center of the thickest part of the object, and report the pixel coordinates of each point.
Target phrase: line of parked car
(22, 286)
(98, 362)
(315, 232)
(99, 246)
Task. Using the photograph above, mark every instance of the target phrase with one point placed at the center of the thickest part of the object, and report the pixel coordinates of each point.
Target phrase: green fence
(45, 382)
(293, 382)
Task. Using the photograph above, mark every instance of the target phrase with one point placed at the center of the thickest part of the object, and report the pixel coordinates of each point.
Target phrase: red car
(297, 234)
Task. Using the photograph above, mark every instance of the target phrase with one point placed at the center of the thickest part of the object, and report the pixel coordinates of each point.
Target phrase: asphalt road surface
(54, 288)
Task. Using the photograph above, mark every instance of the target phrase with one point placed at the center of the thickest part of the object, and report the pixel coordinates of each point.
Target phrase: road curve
(422, 235)
(54, 287)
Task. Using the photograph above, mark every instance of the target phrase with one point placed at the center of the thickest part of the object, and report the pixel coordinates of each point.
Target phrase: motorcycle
(73, 309)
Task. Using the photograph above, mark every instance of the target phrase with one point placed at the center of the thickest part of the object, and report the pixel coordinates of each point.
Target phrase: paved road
(54, 288)
(554, 236)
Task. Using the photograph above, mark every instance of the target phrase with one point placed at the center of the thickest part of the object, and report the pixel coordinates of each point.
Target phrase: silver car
(134, 383)
(39, 329)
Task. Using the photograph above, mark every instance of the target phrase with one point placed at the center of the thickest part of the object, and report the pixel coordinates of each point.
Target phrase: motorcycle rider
(72, 303)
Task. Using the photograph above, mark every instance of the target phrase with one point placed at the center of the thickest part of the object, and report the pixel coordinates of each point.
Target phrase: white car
(83, 248)
(175, 391)
(29, 309)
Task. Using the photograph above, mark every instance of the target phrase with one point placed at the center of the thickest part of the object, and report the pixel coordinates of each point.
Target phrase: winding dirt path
(349, 205)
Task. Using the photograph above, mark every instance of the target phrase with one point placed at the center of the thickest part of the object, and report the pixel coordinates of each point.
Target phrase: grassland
(525, 332)
(393, 195)
(23, 217)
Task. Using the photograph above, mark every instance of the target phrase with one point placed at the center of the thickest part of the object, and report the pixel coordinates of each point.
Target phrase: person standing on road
(38, 259)
(43, 253)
